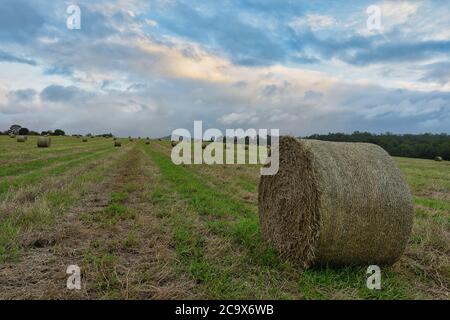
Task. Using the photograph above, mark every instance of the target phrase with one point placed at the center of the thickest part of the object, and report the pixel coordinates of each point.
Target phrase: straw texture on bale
(21, 138)
(335, 203)
(44, 142)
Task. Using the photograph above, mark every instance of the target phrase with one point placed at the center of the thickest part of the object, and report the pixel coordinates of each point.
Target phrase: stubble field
(140, 227)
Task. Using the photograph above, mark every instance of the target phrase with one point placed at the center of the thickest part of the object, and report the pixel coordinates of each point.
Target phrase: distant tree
(44, 133)
(14, 129)
(33, 133)
(59, 132)
(24, 131)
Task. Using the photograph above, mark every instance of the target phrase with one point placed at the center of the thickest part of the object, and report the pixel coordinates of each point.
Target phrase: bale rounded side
(44, 142)
(21, 138)
(335, 203)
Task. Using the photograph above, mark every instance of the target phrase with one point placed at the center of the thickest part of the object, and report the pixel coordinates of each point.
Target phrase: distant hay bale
(12, 136)
(147, 142)
(438, 158)
(44, 142)
(21, 138)
(114, 139)
(85, 140)
(131, 140)
(335, 203)
(117, 143)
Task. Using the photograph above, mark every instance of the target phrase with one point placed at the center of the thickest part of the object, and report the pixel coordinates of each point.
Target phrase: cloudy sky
(147, 67)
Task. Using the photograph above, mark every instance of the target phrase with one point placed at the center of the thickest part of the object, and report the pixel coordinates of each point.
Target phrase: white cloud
(313, 21)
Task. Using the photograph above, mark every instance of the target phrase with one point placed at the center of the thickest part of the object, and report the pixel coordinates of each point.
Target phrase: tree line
(425, 146)
(16, 129)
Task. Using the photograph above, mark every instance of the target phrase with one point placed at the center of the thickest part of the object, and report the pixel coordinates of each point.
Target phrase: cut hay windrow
(44, 142)
(335, 203)
(22, 138)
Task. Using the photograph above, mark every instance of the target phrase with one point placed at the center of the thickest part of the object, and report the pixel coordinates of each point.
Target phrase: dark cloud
(7, 57)
(57, 93)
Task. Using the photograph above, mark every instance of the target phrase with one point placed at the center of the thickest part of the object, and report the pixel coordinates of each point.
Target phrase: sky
(146, 68)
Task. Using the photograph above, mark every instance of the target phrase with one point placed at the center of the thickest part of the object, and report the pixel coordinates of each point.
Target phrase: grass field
(140, 227)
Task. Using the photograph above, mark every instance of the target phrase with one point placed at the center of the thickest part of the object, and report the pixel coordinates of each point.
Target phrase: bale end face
(335, 203)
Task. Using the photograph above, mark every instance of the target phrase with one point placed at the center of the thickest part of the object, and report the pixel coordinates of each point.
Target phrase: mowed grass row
(34, 200)
(219, 243)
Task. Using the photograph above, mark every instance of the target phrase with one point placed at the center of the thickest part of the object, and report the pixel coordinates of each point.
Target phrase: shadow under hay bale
(335, 203)
(44, 142)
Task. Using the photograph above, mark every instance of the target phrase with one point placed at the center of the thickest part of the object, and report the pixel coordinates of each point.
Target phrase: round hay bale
(147, 142)
(438, 158)
(335, 203)
(85, 140)
(114, 139)
(12, 136)
(117, 143)
(44, 142)
(131, 140)
(21, 138)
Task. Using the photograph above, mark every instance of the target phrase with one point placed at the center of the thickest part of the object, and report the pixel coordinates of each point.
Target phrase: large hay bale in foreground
(335, 203)
(438, 158)
(44, 142)
(21, 138)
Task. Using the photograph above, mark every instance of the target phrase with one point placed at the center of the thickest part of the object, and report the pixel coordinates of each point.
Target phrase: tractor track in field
(121, 247)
